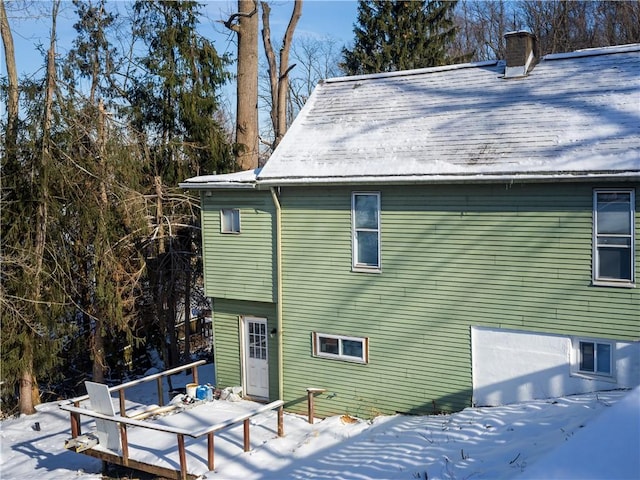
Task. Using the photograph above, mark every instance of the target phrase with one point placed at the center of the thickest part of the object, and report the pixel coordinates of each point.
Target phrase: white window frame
(598, 279)
(317, 336)
(576, 359)
(357, 265)
(230, 220)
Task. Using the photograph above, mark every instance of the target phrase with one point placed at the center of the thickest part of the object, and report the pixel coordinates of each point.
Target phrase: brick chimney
(521, 54)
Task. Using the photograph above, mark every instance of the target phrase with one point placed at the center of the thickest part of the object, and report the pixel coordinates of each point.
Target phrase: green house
(425, 240)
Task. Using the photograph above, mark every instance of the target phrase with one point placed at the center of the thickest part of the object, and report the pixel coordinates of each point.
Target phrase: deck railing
(73, 407)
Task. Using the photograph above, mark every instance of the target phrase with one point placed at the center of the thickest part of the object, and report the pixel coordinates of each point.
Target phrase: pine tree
(175, 113)
(32, 300)
(400, 35)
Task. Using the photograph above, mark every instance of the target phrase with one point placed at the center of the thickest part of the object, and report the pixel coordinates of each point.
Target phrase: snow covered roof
(574, 116)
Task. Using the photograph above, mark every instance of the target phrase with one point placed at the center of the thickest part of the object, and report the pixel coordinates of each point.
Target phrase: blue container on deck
(201, 392)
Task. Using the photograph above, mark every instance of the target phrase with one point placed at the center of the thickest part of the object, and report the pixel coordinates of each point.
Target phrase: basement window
(230, 220)
(593, 357)
(339, 347)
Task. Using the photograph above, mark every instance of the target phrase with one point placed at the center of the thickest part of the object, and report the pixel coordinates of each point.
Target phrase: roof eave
(217, 185)
(628, 176)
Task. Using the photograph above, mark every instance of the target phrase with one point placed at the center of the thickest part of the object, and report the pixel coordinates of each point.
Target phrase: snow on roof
(574, 116)
(246, 179)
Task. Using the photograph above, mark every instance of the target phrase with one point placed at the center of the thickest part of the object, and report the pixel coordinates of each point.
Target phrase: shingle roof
(574, 115)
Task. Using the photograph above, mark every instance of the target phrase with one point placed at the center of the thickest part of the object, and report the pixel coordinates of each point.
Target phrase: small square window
(230, 220)
(593, 358)
(338, 347)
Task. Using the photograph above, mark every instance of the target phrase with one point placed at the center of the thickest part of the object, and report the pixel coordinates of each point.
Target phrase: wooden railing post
(195, 375)
(160, 392)
(183, 457)
(281, 421)
(123, 412)
(247, 442)
(210, 450)
(76, 429)
(125, 444)
(311, 392)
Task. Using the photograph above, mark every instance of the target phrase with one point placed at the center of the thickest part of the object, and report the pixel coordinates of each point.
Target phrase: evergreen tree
(400, 35)
(99, 195)
(32, 300)
(175, 113)
(174, 100)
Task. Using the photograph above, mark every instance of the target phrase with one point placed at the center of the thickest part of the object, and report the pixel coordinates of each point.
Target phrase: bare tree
(279, 71)
(245, 24)
(482, 26)
(316, 60)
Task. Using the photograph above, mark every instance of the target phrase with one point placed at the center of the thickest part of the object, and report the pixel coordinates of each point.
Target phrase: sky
(579, 437)
(320, 18)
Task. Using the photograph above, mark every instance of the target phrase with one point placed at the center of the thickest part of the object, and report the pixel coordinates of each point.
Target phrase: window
(613, 237)
(593, 357)
(351, 349)
(365, 214)
(230, 220)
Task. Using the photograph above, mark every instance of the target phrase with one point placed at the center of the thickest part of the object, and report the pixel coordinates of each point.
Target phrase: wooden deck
(180, 443)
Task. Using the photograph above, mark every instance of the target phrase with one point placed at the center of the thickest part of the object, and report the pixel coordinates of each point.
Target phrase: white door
(256, 361)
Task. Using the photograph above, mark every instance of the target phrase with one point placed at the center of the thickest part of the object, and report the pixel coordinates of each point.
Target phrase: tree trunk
(283, 78)
(26, 383)
(279, 76)
(159, 214)
(12, 86)
(28, 387)
(246, 150)
(97, 345)
(187, 312)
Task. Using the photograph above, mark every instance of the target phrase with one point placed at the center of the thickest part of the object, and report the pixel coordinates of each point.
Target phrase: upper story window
(230, 220)
(613, 236)
(365, 215)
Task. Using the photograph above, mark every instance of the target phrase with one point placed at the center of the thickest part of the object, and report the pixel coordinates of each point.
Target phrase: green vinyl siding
(227, 349)
(452, 257)
(239, 266)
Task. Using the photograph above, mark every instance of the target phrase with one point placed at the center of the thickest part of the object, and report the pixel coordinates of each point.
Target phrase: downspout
(276, 203)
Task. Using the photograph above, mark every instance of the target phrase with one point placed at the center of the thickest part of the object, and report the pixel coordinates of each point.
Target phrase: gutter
(276, 203)
(418, 179)
(629, 176)
(220, 185)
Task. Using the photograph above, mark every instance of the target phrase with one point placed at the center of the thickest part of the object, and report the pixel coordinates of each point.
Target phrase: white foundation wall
(514, 366)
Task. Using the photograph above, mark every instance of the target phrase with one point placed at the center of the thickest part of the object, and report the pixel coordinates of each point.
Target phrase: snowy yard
(579, 437)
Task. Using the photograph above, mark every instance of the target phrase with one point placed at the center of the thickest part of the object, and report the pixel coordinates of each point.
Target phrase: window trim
(576, 359)
(316, 336)
(235, 227)
(355, 265)
(596, 279)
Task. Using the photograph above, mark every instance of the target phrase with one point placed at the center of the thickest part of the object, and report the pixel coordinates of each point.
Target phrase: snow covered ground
(576, 437)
